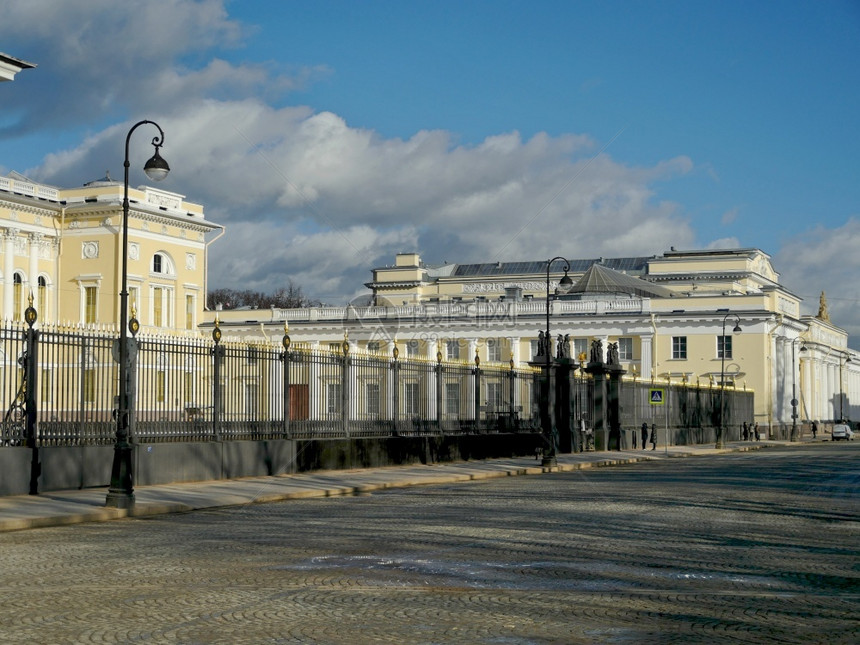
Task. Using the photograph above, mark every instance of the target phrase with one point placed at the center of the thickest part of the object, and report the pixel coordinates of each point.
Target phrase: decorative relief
(183, 234)
(37, 220)
(107, 222)
(190, 261)
(75, 224)
(494, 287)
(133, 251)
(201, 237)
(164, 229)
(89, 250)
(145, 226)
(13, 216)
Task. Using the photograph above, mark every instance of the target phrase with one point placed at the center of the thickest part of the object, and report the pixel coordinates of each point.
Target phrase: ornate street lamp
(794, 388)
(564, 286)
(736, 330)
(121, 491)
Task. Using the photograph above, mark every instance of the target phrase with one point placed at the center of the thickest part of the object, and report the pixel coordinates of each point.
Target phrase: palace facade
(672, 316)
(63, 248)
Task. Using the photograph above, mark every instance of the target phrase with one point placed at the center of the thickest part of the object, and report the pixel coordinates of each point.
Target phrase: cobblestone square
(747, 547)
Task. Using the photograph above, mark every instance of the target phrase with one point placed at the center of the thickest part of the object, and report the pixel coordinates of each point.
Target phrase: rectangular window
(412, 348)
(411, 402)
(371, 398)
(333, 397)
(724, 346)
(625, 349)
(189, 387)
(42, 302)
(251, 399)
(580, 348)
(494, 351)
(679, 347)
(45, 386)
(89, 305)
(373, 347)
(89, 386)
(494, 397)
(453, 350)
(533, 349)
(189, 312)
(134, 301)
(452, 398)
(158, 307)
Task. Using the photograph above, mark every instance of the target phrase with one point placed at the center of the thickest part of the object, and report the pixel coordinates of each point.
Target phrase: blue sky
(328, 136)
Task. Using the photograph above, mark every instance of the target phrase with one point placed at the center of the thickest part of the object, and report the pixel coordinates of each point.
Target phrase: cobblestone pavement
(746, 547)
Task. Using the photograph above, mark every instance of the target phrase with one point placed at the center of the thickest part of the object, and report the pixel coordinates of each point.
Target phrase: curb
(144, 509)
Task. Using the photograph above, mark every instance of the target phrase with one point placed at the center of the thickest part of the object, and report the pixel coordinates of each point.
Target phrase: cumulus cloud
(825, 260)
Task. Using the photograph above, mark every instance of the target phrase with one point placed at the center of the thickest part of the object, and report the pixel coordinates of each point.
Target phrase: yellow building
(64, 246)
(672, 317)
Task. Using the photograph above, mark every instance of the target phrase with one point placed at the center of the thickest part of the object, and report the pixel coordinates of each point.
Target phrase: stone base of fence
(74, 467)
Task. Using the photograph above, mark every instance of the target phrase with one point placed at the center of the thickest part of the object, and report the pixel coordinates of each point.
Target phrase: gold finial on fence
(395, 352)
(345, 344)
(286, 339)
(216, 332)
(477, 358)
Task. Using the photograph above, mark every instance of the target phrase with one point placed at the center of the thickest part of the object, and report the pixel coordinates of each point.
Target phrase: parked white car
(841, 431)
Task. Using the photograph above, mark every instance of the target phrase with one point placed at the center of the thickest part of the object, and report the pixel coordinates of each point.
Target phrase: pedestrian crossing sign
(655, 396)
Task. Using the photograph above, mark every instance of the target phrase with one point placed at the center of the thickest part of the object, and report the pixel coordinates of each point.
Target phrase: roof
(601, 279)
(636, 265)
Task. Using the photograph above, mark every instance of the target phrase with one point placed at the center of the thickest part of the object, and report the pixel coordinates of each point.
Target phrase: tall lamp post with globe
(550, 430)
(721, 429)
(121, 491)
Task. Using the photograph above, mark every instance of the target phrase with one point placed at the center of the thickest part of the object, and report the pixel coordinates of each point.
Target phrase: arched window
(162, 264)
(42, 299)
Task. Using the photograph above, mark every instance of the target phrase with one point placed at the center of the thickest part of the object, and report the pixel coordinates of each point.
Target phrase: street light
(564, 286)
(736, 330)
(794, 388)
(121, 491)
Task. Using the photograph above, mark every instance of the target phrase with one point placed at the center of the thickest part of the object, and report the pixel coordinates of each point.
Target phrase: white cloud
(825, 260)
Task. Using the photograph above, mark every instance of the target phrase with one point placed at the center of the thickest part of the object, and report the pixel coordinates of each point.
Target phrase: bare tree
(290, 297)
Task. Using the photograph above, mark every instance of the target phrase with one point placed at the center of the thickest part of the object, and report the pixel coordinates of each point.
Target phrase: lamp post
(794, 388)
(564, 285)
(842, 364)
(121, 491)
(736, 330)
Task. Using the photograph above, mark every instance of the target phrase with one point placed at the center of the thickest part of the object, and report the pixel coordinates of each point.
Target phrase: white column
(646, 358)
(9, 236)
(33, 270)
(316, 395)
(777, 385)
(430, 375)
(514, 343)
(469, 412)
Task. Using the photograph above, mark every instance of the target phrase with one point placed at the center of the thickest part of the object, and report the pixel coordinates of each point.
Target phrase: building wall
(72, 239)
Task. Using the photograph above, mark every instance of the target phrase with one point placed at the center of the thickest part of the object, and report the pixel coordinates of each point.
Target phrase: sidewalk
(59, 508)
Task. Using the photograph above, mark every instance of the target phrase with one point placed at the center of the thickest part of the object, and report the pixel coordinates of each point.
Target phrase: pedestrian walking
(755, 430)
(635, 435)
(746, 432)
(653, 436)
(814, 429)
(644, 435)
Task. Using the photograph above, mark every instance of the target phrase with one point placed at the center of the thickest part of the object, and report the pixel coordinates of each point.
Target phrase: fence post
(217, 357)
(31, 370)
(344, 399)
(285, 357)
(439, 397)
(395, 385)
(477, 373)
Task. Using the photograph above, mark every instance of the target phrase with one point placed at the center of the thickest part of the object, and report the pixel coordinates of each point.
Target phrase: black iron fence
(197, 389)
(58, 387)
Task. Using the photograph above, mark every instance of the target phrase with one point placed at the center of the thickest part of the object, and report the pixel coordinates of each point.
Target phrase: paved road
(746, 547)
